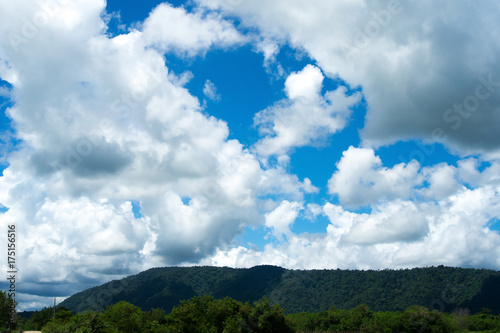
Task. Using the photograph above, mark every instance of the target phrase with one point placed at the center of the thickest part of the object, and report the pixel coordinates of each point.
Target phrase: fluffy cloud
(398, 221)
(443, 181)
(404, 56)
(104, 123)
(73, 242)
(174, 30)
(307, 117)
(415, 216)
(282, 217)
(397, 234)
(304, 84)
(469, 172)
(361, 179)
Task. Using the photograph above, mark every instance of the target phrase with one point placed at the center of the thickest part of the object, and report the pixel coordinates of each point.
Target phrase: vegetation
(210, 300)
(208, 315)
(438, 288)
(200, 314)
(414, 319)
(5, 308)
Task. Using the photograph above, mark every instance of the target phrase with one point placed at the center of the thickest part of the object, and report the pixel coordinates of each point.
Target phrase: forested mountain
(440, 288)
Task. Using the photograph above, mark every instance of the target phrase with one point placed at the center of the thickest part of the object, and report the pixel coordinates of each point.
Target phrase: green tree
(483, 322)
(89, 322)
(5, 307)
(155, 321)
(420, 319)
(190, 316)
(40, 318)
(267, 318)
(206, 315)
(123, 317)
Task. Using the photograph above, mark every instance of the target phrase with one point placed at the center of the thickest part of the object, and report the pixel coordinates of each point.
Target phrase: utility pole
(54, 314)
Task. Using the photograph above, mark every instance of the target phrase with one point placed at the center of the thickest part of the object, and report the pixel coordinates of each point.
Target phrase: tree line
(441, 288)
(206, 314)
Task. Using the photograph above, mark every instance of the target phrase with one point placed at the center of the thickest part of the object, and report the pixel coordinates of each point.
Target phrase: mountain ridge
(440, 288)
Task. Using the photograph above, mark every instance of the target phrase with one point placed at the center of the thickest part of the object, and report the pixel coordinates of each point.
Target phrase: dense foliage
(414, 319)
(208, 315)
(5, 309)
(200, 314)
(438, 288)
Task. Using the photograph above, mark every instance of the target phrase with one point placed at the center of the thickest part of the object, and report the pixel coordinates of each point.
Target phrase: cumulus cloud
(404, 56)
(282, 217)
(442, 180)
(306, 117)
(361, 179)
(397, 234)
(304, 84)
(104, 123)
(396, 221)
(470, 173)
(174, 30)
(415, 216)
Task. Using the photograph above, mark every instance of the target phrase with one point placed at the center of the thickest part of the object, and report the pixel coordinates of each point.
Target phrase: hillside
(440, 288)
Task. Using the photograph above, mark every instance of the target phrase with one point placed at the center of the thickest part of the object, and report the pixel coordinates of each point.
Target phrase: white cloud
(361, 179)
(442, 181)
(282, 217)
(4, 92)
(175, 30)
(468, 170)
(210, 91)
(397, 234)
(404, 56)
(398, 221)
(269, 49)
(305, 84)
(306, 117)
(416, 217)
(102, 123)
(308, 187)
(312, 211)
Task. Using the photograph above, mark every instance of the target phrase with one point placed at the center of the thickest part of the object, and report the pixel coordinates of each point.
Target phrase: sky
(304, 134)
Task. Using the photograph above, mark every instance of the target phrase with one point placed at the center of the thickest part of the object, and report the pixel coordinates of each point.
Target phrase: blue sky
(232, 133)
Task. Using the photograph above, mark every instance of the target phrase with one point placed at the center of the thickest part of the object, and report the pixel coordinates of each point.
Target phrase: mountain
(441, 288)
